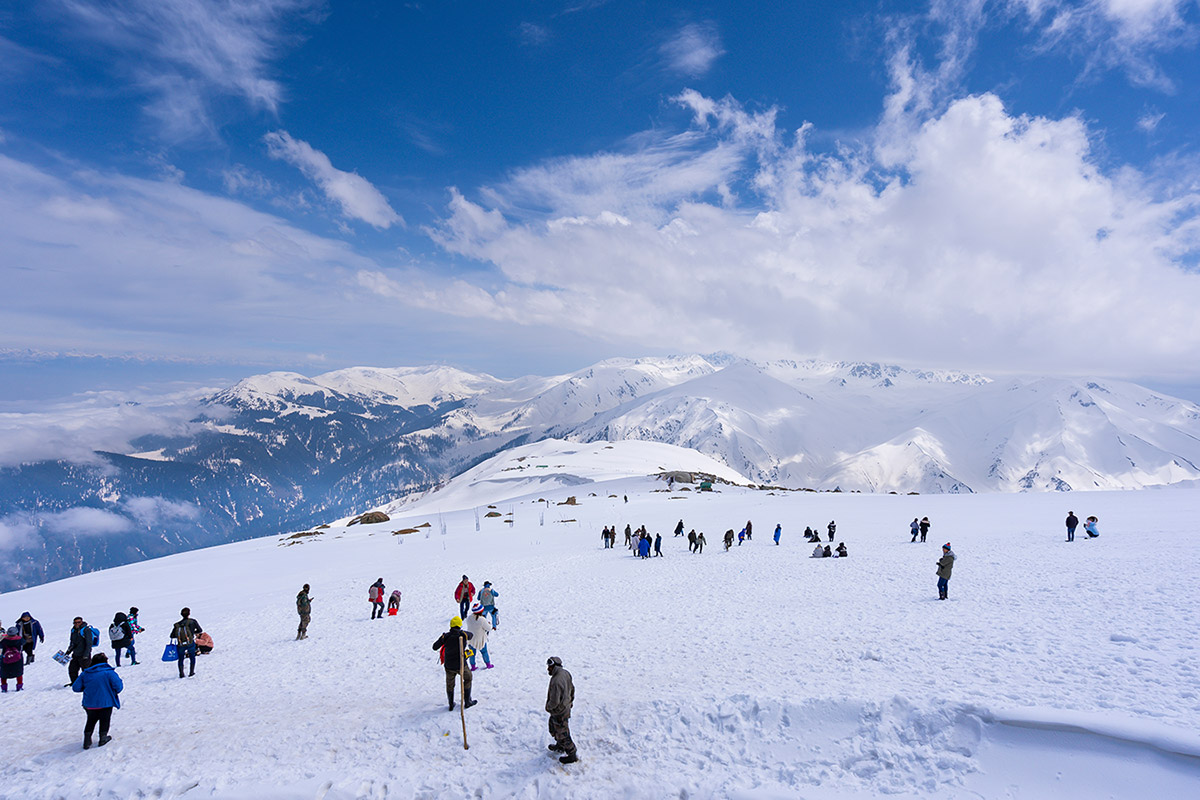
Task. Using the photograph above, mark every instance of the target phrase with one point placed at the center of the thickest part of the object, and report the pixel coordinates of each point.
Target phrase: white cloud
(692, 50)
(149, 511)
(240, 179)
(1148, 122)
(533, 34)
(354, 194)
(186, 52)
(84, 521)
(993, 241)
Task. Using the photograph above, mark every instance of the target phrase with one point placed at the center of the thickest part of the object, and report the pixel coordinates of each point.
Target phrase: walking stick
(462, 669)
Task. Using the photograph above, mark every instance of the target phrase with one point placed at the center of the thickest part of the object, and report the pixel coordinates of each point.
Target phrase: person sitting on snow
(818, 552)
(841, 550)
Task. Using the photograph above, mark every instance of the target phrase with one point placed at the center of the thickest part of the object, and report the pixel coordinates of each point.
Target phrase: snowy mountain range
(284, 451)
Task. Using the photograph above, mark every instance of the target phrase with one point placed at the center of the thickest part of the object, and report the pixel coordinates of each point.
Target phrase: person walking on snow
(1072, 524)
(679, 528)
(741, 536)
(560, 697)
(487, 599)
(12, 659)
(479, 628)
(452, 643)
(915, 525)
(101, 687)
(184, 632)
(31, 634)
(304, 609)
(628, 536)
(778, 532)
(832, 528)
(945, 566)
(728, 539)
(700, 542)
(657, 545)
(79, 648)
(644, 546)
(692, 540)
(120, 634)
(924, 527)
(464, 593)
(375, 597)
(1090, 527)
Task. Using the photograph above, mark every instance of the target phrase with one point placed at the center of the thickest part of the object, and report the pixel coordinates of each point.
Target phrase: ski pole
(462, 677)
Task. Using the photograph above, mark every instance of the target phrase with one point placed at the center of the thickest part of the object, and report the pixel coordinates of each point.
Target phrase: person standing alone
(945, 566)
(560, 697)
(184, 633)
(1072, 524)
(304, 609)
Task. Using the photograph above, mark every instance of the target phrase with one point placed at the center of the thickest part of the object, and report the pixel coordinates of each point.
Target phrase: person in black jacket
(31, 633)
(1072, 524)
(452, 643)
(79, 648)
(184, 633)
(123, 638)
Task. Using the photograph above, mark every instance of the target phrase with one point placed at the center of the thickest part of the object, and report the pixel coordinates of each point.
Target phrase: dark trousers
(76, 666)
(28, 648)
(302, 630)
(561, 731)
(94, 715)
(464, 606)
(451, 677)
(186, 651)
(1070, 534)
(128, 649)
(376, 609)
(943, 587)
(922, 536)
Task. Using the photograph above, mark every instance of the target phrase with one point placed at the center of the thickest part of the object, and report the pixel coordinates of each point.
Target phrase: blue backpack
(95, 636)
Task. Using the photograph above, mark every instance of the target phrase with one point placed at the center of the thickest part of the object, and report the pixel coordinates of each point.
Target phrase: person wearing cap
(464, 593)
(479, 627)
(945, 566)
(487, 599)
(12, 662)
(1072, 524)
(560, 696)
(1091, 527)
(31, 634)
(101, 687)
(452, 644)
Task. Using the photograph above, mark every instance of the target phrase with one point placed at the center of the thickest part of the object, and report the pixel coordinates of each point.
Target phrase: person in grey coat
(559, 699)
(945, 566)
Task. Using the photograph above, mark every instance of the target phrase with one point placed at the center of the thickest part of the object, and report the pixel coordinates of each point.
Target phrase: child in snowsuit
(394, 603)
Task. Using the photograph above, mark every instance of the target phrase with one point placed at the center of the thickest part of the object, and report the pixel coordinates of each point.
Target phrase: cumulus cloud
(185, 53)
(988, 239)
(692, 50)
(353, 194)
(150, 511)
(23, 529)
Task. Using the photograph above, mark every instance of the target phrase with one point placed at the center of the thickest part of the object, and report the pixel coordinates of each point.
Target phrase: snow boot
(554, 748)
(87, 742)
(489, 666)
(470, 703)
(104, 740)
(569, 758)
(4, 689)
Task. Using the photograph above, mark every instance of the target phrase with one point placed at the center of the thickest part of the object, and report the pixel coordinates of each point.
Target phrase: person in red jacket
(464, 594)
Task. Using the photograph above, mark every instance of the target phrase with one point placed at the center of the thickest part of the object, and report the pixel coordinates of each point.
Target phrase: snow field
(1055, 669)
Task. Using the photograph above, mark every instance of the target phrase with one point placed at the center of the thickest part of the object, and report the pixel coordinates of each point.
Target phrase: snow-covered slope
(553, 464)
(1055, 670)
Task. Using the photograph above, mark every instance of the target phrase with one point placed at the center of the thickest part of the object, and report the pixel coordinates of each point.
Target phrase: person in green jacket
(945, 566)
(304, 609)
(560, 696)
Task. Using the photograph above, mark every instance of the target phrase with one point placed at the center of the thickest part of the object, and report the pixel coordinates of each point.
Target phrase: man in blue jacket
(101, 686)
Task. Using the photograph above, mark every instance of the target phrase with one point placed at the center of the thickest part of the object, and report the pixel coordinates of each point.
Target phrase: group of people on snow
(919, 527)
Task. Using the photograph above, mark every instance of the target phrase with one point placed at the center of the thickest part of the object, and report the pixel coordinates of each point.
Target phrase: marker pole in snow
(462, 682)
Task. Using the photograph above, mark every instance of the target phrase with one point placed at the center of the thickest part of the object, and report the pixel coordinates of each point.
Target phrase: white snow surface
(552, 464)
(1063, 670)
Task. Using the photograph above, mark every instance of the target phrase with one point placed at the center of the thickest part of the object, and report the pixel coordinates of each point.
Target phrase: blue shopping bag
(171, 653)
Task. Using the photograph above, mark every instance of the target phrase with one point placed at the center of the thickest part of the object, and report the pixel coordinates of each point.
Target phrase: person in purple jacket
(101, 686)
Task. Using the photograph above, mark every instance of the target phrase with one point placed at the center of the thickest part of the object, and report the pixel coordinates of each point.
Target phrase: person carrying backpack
(120, 634)
(375, 595)
(79, 648)
(304, 609)
(31, 634)
(12, 662)
(487, 599)
(101, 686)
(464, 593)
(452, 644)
(184, 633)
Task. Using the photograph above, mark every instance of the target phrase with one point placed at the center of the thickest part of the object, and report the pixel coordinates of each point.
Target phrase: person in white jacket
(479, 627)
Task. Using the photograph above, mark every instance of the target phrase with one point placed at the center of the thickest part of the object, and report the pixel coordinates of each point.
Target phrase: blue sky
(195, 191)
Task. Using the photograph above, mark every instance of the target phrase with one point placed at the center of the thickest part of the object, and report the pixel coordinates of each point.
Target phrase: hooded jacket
(945, 564)
(560, 696)
(31, 629)
(453, 640)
